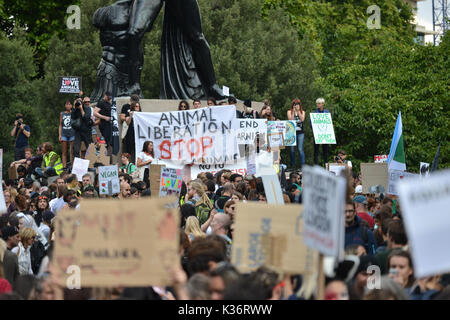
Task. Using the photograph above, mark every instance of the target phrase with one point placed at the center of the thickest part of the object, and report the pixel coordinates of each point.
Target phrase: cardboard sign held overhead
(119, 243)
(271, 235)
(97, 156)
(425, 206)
(374, 174)
(155, 178)
(80, 167)
(109, 180)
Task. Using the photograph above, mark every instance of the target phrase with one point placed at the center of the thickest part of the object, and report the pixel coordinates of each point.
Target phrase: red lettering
(178, 142)
(196, 148)
(162, 148)
(204, 147)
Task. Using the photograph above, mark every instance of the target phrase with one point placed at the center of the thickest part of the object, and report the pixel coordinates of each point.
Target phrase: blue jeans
(300, 140)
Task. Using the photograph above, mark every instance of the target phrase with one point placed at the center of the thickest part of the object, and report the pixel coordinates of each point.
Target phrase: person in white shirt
(27, 236)
(58, 203)
(45, 227)
(144, 159)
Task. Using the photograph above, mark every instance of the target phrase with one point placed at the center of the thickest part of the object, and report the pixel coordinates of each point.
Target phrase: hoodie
(354, 235)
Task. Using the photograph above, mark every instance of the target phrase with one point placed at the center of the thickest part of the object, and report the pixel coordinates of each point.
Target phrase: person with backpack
(357, 230)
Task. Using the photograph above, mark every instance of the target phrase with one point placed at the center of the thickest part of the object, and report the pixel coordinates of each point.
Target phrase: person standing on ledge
(22, 132)
(320, 104)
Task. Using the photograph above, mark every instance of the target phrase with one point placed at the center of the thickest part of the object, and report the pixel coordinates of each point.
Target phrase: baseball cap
(9, 231)
(360, 199)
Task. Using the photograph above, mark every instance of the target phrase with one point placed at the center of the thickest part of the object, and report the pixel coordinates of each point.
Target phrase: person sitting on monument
(51, 163)
(183, 105)
(128, 167)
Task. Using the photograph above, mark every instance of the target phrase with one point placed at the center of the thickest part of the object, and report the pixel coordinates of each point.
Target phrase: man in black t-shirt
(21, 132)
(125, 112)
(103, 112)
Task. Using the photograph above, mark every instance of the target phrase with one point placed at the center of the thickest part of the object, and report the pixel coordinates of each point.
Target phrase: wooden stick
(321, 280)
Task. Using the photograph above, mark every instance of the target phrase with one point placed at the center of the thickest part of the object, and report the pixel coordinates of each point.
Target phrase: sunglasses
(42, 197)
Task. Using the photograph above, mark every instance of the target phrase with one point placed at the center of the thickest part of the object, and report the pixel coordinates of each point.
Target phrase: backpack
(365, 237)
(37, 253)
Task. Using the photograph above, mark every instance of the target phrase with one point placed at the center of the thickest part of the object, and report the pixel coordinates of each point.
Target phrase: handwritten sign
(171, 181)
(271, 235)
(119, 243)
(69, 84)
(290, 137)
(322, 126)
(204, 135)
(80, 167)
(323, 213)
(249, 128)
(108, 177)
(425, 205)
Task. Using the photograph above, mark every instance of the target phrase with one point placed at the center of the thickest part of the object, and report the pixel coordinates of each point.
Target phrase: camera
(19, 123)
(77, 104)
(337, 158)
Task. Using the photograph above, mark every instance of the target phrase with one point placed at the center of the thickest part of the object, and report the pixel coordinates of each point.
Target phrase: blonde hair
(193, 227)
(13, 192)
(197, 186)
(26, 234)
(320, 100)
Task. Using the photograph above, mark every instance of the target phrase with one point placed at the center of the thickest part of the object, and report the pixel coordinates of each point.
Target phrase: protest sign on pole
(264, 164)
(119, 243)
(251, 163)
(69, 84)
(322, 126)
(425, 205)
(272, 188)
(374, 174)
(380, 158)
(239, 167)
(290, 137)
(108, 179)
(323, 211)
(171, 181)
(424, 169)
(248, 128)
(80, 167)
(206, 135)
(271, 235)
(394, 177)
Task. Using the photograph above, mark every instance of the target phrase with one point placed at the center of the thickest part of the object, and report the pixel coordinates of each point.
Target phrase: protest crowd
(208, 204)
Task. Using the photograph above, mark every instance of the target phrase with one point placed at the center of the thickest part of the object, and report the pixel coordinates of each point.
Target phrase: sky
(425, 16)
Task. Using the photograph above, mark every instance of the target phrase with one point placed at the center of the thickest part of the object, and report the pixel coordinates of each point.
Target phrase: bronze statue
(186, 66)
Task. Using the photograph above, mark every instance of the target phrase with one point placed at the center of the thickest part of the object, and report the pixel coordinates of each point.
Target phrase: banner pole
(321, 280)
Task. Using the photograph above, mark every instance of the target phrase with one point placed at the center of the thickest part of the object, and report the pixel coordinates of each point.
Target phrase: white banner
(425, 208)
(204, 135)
(248, 128)
(394, 177)
(323, 211)
(240, 167)
(322, 126)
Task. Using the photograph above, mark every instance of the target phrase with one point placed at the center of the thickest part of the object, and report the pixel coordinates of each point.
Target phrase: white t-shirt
(45, 229)
(145, 157)
(56, 204)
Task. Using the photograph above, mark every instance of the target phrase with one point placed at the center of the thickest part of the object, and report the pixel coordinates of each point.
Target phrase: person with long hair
(198, 197)
(66, 133)
(27, 236)
(129, 140)
(183, 105)
(401, 268)
(193, 229)
(297, 114)
(144, 159)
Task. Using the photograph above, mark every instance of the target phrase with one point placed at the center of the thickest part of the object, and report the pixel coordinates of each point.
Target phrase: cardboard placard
(374, 174)
(394, 177)
(155, 178)
(249, 128)
(171, 182)
(97, 156)
(271, 235)
(336, 168)
(12, 172)
(425, 206)
(119, 242)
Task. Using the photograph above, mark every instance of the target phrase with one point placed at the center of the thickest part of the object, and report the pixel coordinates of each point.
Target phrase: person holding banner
(320, 102)
(183, 105)
(297, 114)
(144, 159)
(129, 142)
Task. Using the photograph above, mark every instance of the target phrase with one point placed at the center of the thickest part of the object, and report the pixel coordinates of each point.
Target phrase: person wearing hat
(361, 210)
(232, 102)
(249, 112)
